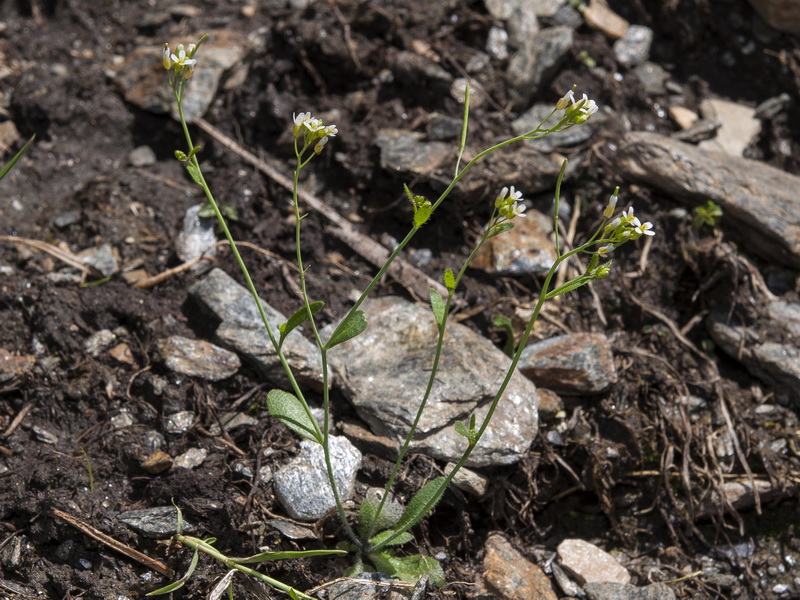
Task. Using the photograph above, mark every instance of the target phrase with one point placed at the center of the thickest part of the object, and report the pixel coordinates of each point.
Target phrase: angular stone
(196, 236)
(468, 480)
(531, 67)
(683, 117)
(633, 48)
(407, 153)
(302, 486)
(102, 259)
(739, 494)
(759, 202)
(622, 591)
(599, 16)
(384, 372)
(197, 358)
(159, 522)
(190, 459)
(375, 586)
(589, 564)
(739, 126)
(510, 575)
(653, 77)
(242, 330)
(578, 363)
(526, 249)
(142, 156)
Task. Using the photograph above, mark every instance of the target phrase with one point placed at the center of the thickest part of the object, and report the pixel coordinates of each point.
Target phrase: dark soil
(628, 470)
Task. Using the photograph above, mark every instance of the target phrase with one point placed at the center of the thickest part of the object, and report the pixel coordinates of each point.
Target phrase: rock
(231, 421)
(533, 117)
(122, 353)
(190, 459)
(12, 365)
(477, 95)
(292, 530)
(550, 404)
(739, 126)
(771, 348)
(143, 156)
(526, 249)
(408, 154)
(242, 330)
(578, 363)
(179, 422)
(122, 420)
(99, 341)
(375, 586)
(760, 203)
(159, 522)
(384, 372)
(589, 564)
(302, 486)
(510, 575)
(497, 43)
(416, 70)
(102, 259)
(156, 462)
(66, 219)
(653, 78)
(468, 480)
(197, 358)
(683, 117)
(599, 16)
(8, 136)
(702, 129)
(546, 8)
(532, 66)
(196, 237)
(568, 16)
(738, 494)
(633, 48)
(443, 128)
(783, 15)
(622, 591)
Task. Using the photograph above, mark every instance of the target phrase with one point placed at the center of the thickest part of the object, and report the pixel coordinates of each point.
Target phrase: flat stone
(578, 363)
(197, 237)
(191, 459)
(683, 117)
(589, 564)
(739, 126)
(142, 156)
(197, 358)
(159, 522)
(573, 136)
(8, 136)
(622, 591)
(653, 77)
(443, 128)
(468, 480)
(375, 586)
(633, 48)
(759, 202)
(156, 462)
(599, 16)
(414, 69)
(739, 494)
(550, 404)
(384, 372)
(241, 330)
(102, 259)
(526, 249)
(99, 341)
(511, 576)
(12, 365)
(533, 66)
(407, 153)
(302, 486)
(546, 8)
(292, 530)
(783, 15)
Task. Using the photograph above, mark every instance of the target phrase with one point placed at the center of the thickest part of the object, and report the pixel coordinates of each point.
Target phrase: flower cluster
(313, 129)
(625, 228)
(509, 204)
(182, 61)
(579, 111)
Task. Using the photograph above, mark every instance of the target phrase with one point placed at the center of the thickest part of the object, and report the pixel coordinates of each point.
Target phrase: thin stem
(555, 205)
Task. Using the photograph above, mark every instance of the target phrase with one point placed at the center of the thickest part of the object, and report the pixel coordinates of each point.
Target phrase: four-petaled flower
(645, 228)
(181, 59)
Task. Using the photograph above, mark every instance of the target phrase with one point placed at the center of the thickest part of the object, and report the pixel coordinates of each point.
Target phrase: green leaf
(194, 172)
(369, 520)
(193, 151)
(500, 228)
(417, 508)
(408, 568)
(569, 286)
(355, 324)
(291, 412)
(175, 585)
(461, 429)
(409, 195)
(297, 319)
(289, 555)
(17, 156)
(401, 539)
(422, 214)
(437, 304)
(449, 280)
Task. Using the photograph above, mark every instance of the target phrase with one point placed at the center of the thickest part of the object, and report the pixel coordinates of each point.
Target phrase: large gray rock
(196, 358)
(623, 591)
(384, 371)
(759, 202)
(532, 66)
(302, 486)
(242, 330)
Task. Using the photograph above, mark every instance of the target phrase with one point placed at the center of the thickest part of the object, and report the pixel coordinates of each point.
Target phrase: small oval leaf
(449, 281)
(437, 304)
(422, 502)
(297, 319)
(290, 411)
(422, 215)
(355, 324)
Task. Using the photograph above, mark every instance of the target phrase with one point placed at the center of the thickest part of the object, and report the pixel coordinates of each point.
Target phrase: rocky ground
(649, 445)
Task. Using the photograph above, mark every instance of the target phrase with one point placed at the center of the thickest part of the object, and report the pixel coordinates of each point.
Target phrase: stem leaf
(401, 539)
(449, 280)
(569, 286)
(290, 411)
(355, 324)
(289, 555)
(194, 172)
(422, 502)
(298, 318)
(422, 214)
(437, 304)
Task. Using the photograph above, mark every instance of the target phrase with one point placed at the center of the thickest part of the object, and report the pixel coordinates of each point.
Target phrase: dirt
(629, 470)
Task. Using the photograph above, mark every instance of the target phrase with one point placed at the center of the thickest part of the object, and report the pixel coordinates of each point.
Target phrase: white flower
(627, 216)
(565, 101)
(300, 118)
(503, 193)
(645, 228)
(515, 196)
(582, 110)
(612, 204)
(603, 251)
(313, 124)
(518, 209)
(181, 60)
(166, 60)
(331, 130)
